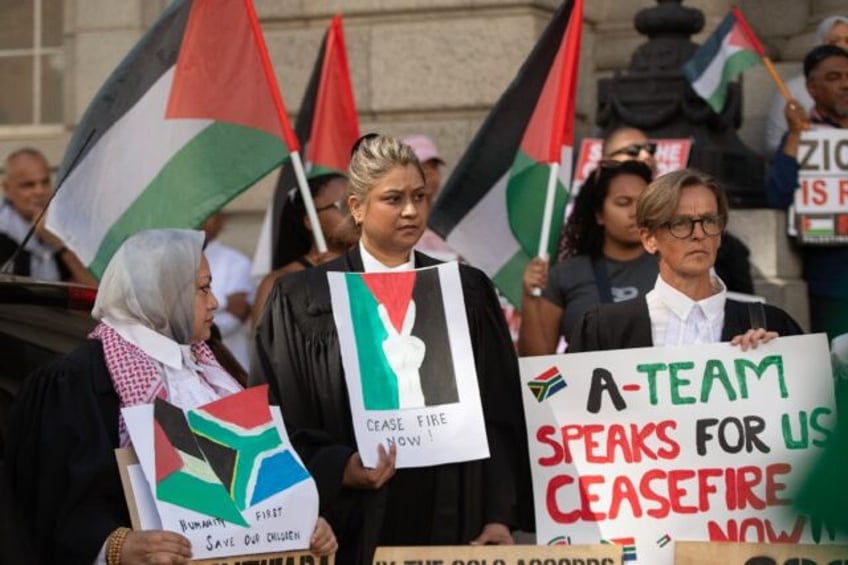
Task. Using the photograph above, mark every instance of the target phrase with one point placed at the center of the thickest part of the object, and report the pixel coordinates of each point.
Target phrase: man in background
(26, 191)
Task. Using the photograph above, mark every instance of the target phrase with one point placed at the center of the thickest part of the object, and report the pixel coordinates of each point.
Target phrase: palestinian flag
(189, 119)
(327, 125)
(731, 49)
(399, 317)
(222, 458)
(491, 208)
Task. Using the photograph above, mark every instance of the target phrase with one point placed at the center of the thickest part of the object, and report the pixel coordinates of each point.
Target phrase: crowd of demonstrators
(231, 282)
(300, 251)
(825, 268)
(605, 260)
(681, 217)
(26, 189)
(831, 31)
(155, 308)
(299, 352)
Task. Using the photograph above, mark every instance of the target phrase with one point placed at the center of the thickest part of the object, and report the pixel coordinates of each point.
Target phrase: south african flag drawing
(223, 457)
(547, 384)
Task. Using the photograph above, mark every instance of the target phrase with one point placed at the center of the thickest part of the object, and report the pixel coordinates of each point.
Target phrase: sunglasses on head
(634, 149)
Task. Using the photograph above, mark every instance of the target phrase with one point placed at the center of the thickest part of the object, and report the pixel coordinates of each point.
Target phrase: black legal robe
(299, 356)
(627, 324)
(61, 476)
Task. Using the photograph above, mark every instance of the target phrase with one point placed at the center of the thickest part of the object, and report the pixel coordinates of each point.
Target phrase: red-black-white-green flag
(492, 206)
(732, 48)
(188, 120)
(326, 126)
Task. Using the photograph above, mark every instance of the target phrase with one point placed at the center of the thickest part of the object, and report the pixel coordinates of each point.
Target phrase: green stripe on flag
(733, 66)
(379, 382)
(209, 171)
(508, 278)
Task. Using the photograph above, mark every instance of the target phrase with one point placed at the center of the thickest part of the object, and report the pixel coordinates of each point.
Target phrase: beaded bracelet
(116, 543)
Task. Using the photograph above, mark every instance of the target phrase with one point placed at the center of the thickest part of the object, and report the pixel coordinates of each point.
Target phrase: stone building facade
(431, 66)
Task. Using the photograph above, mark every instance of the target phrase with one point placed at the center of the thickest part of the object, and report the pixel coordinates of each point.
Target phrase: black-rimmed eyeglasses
(684, 226)
(634, 149)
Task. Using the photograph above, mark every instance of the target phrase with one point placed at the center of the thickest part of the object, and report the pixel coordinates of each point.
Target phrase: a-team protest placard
(821, 200)
(642, 447)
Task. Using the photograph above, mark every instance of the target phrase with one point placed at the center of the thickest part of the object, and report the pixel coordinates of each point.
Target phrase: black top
(625, 325)
(298, 348)
(60, 465)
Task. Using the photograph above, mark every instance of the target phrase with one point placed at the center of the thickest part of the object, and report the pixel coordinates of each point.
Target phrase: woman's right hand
(535, 277)
(155, 546)
(358, 476)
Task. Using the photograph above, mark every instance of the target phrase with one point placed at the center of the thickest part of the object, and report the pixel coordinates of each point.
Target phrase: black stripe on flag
(141, 68)
(287, 180)
(493, 149)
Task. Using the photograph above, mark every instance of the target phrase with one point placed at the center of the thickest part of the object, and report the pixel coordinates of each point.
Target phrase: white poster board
(642, 447)
(821, 200)
(409, 366)
(270, 492)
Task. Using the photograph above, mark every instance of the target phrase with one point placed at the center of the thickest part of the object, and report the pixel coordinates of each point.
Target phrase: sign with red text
(821, 200)
(642, 447)
(671, 155)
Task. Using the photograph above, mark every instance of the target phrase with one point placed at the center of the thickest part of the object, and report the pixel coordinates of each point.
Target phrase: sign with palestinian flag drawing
(821, 200)
(224, 475)
(185, 123)
(646, 447)
(409, 366)
(492, 206)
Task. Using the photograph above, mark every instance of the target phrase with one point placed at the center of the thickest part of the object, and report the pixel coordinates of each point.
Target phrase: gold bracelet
(115, 545)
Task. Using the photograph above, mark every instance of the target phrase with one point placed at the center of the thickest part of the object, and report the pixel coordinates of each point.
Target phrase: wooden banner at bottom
(500, 555)
(727, 553)
(287, 558)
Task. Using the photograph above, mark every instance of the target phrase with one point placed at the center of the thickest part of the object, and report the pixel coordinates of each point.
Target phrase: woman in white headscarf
(155, 308)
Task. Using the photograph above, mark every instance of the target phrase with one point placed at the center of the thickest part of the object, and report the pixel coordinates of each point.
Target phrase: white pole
(547, 216)
(308, 202)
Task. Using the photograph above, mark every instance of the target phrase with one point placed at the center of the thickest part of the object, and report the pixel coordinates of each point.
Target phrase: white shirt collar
(372, 264)
(681, 305)
(162, 349)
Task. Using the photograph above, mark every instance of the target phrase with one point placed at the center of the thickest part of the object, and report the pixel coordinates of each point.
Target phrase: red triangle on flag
(223, 72)
(168, 460)
(552, 123)
(394, 291)
(247, 409)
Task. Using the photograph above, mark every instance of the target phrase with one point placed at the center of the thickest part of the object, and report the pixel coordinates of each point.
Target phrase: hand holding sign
(155, 546)
(404, 352)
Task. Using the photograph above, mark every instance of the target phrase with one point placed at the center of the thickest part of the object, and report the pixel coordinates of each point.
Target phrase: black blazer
(625, 325)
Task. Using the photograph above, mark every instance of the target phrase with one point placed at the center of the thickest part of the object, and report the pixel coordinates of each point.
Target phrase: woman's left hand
(494, 534)
(752, 338)
(323, 540)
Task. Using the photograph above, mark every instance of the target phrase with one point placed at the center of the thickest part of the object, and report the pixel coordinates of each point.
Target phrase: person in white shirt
(234, 287)
(155, 307)
(681, 218)
(831, 31)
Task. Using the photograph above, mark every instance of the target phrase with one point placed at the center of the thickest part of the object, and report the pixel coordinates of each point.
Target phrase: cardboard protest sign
(821, 200)
(671, 155)
(606, 554)
(705, 553)
(642, 447)
(224, 475)
(409, 367)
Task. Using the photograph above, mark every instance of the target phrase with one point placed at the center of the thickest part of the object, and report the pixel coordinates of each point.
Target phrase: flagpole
(547, 216)
(311, 213)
